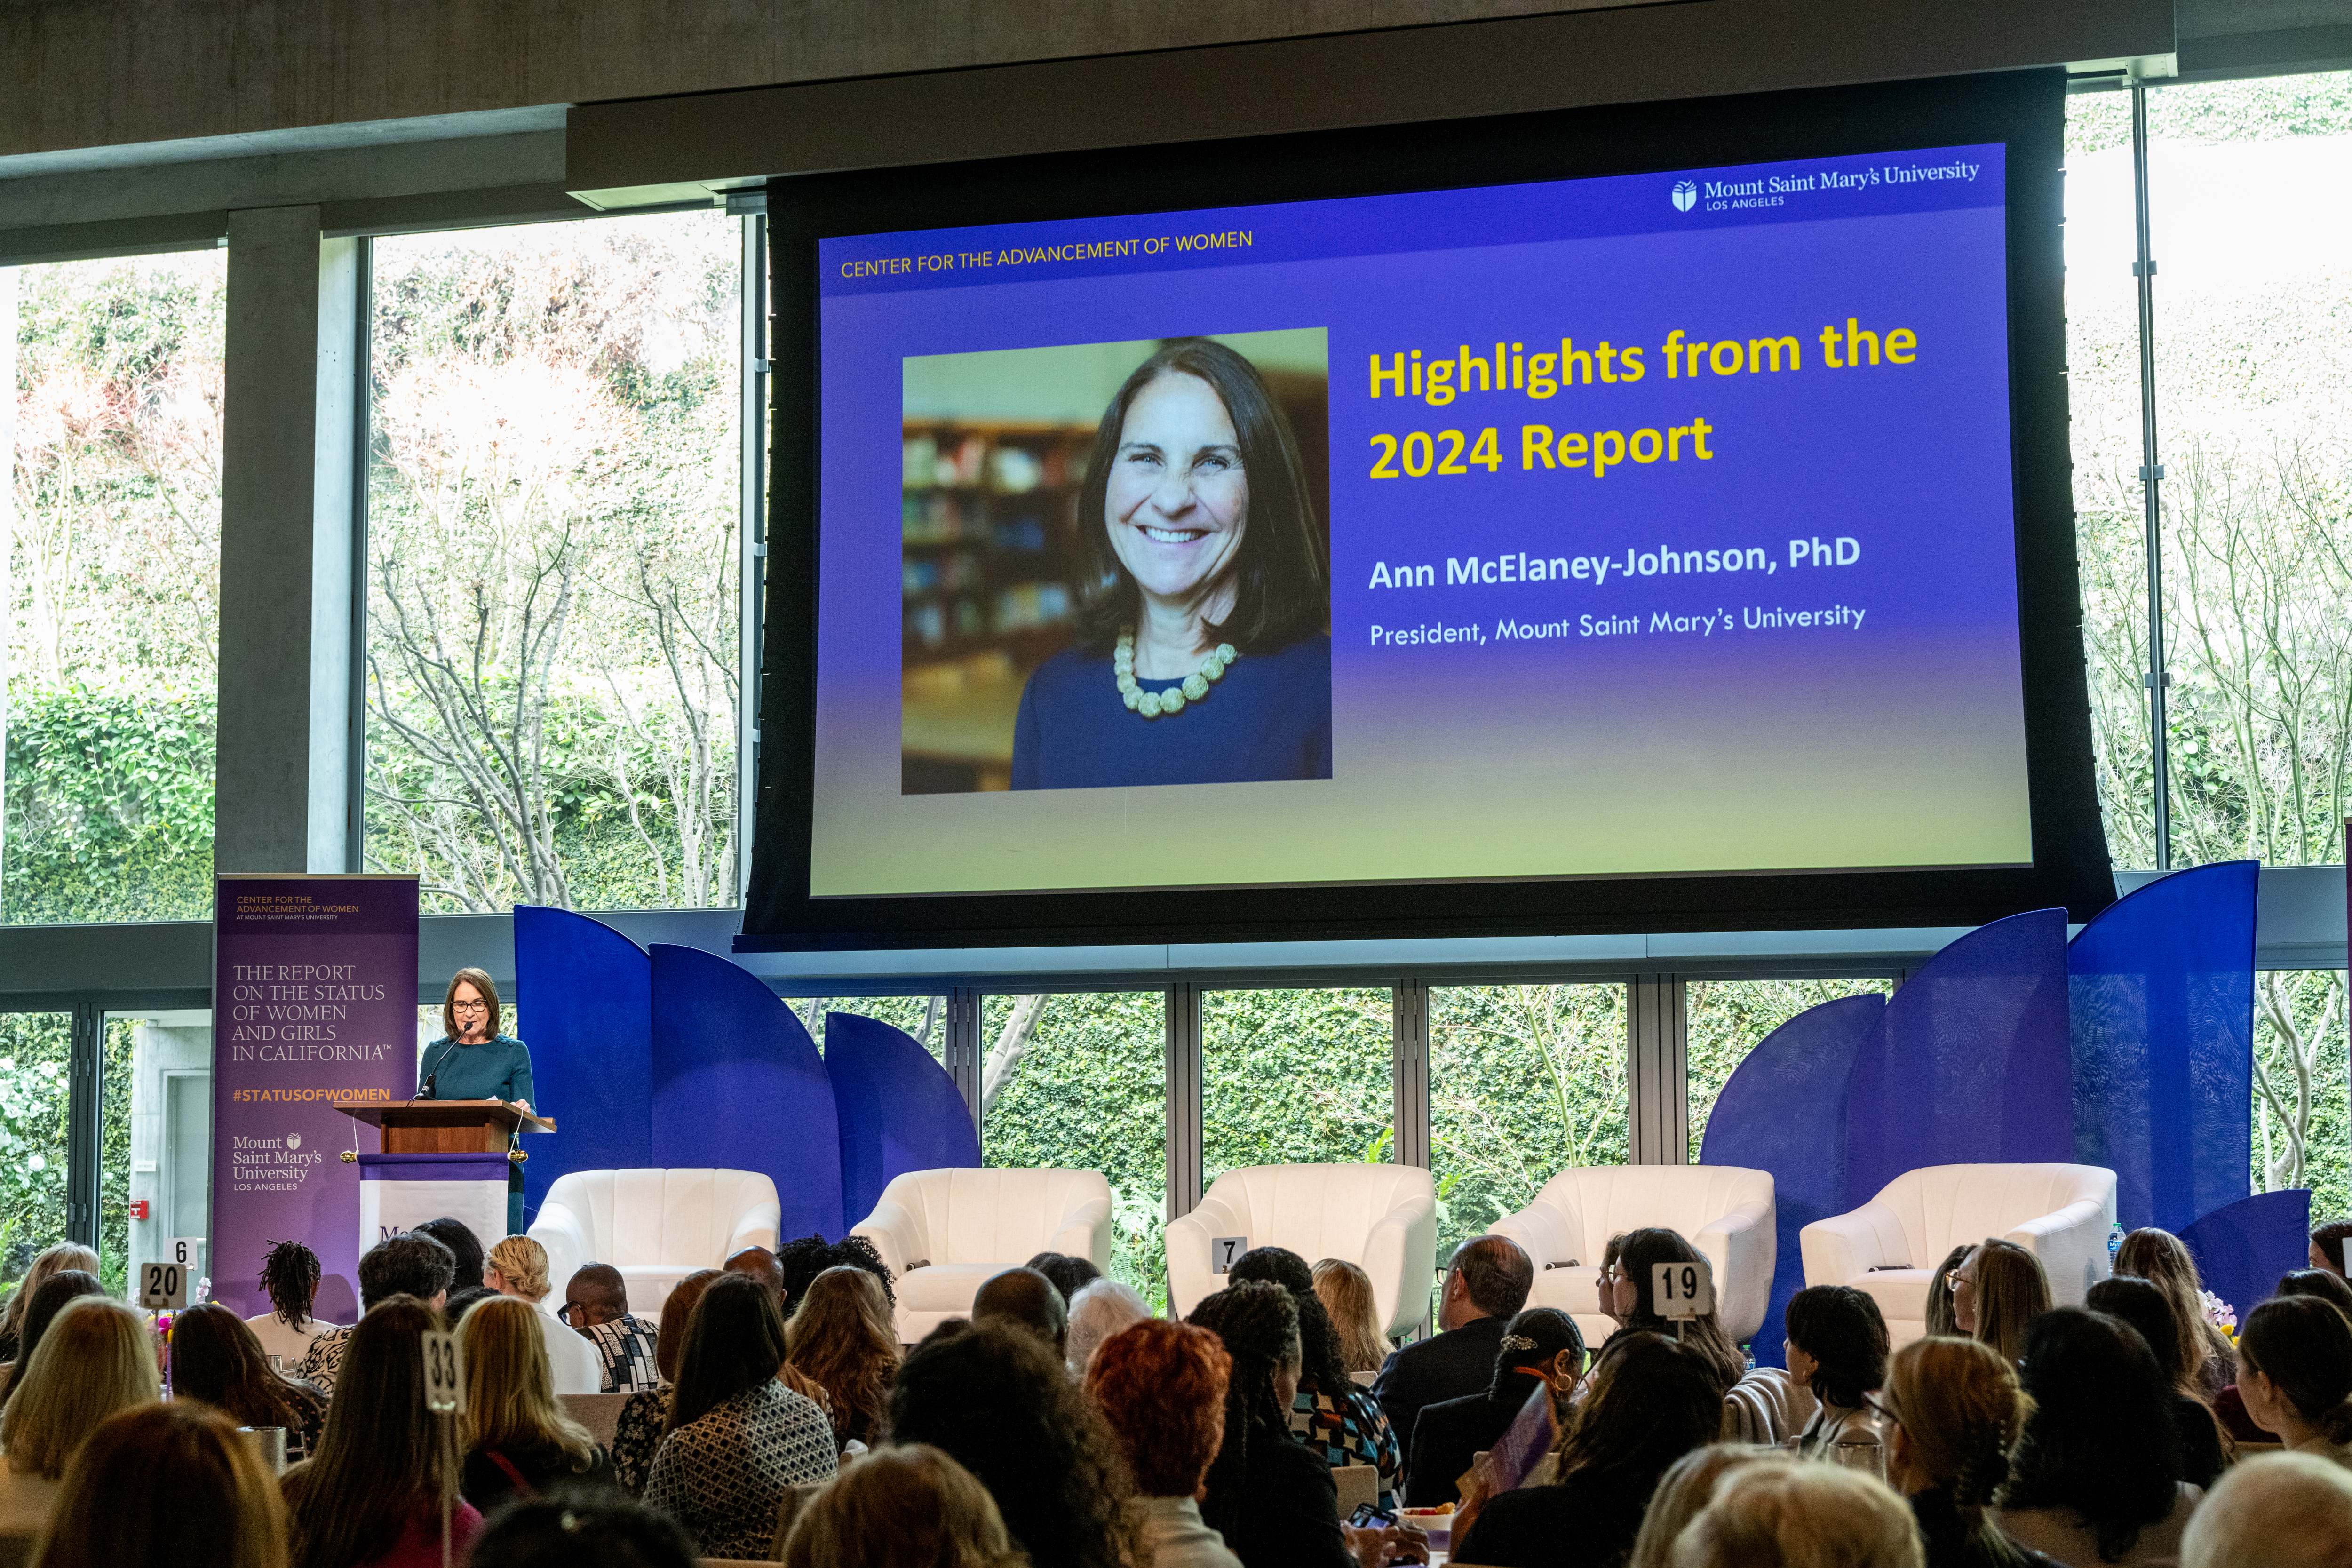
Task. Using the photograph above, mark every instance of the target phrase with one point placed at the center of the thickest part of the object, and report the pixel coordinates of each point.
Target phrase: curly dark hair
(1844, 1332)
(1000, 1401)
(1323, 1363)
(2101, 1440)
(800, 1262)
(1258, 1322)
(290, 1277)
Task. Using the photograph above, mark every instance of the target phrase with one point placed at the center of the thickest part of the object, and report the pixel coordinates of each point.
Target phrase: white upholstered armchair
(655, 1226)
(1725, 1211)
(1383, 1218)
(1891, 1245)
(942, 1233)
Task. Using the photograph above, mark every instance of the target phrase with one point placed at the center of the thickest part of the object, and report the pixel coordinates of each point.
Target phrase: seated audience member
(1540, 1348)
(1940, 1320)
(1836, 1348)
(1799, 1516)
(465, 1246)
(737, 1440)
(1161, 1387)
(1346, 1292)
(1271, 1497)
(1330, 1412)
(759, 1263)
(372, 1496)
(1688, 1485)
(1069, 1275)
(1638, 1254)
(412, 1265)
(2096, 1478)
(1486, 1283)
(2274, 1511)
(49, 1261)
(1607, 1276)
(2208, 1363)
(2141, 1304)
(596, 1308)
(56, 1293)
(2229, 1405)
(644, 1417)
(800, 1262)
(844, 1339)
(1098, 1310)
(517, 1266)
(2294, 1373)
(95, 1360)
(999, 1401)
(1651, 1402)
(216, 1358)
(1028, 1299)
(1998, 1291)
(517, 1439)
(902, 1507)
(1953, 1414)
(2327, 1246)
(290, 1277)
(583, 1532)
(159, 1484)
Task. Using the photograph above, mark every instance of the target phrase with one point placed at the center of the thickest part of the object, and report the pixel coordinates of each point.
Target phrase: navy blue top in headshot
(1268, 718)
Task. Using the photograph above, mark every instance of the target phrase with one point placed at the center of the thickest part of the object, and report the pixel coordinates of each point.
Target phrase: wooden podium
(445, 1126)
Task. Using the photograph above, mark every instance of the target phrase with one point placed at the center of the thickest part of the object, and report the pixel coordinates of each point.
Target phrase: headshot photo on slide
(1115, 565)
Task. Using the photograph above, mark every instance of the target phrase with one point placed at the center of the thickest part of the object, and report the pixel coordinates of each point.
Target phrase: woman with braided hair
(1331, 1413)
(290, 1277)
(1952, 1412)
(1267, 1494)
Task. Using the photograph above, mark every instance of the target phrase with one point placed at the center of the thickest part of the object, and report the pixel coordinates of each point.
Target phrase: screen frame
(2024, 110)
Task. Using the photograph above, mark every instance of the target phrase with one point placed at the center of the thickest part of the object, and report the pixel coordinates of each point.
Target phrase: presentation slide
(1656, 524)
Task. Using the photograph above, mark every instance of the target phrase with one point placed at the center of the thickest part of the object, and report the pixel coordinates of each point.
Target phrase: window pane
(553, 563)
(2110, 520)
(1295, 1077)
(1078, 1082)
(1524, 1082)
(113, 525)
(2300, 1089)
(36, 1049)
(156, 1142)
(2253, 375)
(1729, 1018)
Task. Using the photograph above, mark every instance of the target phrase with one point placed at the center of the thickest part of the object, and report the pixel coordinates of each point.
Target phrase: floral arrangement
(2219, 1314)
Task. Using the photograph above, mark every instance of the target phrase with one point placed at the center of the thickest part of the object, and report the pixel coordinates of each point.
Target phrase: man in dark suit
(1486, 1282)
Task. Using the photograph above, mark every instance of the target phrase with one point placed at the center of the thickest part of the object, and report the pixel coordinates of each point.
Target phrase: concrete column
(281, 800)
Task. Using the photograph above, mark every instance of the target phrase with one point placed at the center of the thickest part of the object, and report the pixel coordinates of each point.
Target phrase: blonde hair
(46, 1264)
(1684, 1490)
(523, 1264)
(2274, 1511)
(481, 983)
(95, 1360)
(159, 1482)
(2011, 1291)
(1801, 1516)
(1346, 1292)
(1961, 1414)
(510, 1392)
(2162, 1259)
(897, 1506)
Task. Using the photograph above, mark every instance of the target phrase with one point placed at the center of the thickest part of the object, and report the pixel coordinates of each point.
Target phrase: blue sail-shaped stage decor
(2161, 994)
(586, 994)
(1784, 1111)
(1973, 1067)
(738, 1083)
(2243, 1248)
(898, 1109)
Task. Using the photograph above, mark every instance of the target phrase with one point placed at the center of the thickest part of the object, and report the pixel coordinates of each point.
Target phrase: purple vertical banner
(314, 1001)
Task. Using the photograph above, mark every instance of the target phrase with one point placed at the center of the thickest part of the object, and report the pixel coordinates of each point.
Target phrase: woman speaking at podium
(475, 1061)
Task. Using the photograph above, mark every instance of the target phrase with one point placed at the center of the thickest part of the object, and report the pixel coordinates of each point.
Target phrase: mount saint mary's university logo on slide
(1685, 195)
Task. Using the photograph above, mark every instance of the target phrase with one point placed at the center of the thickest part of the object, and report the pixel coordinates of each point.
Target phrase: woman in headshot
(475, 1061)
(1203, 654)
